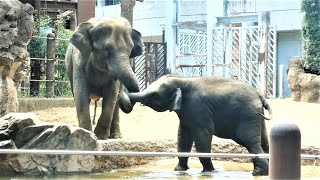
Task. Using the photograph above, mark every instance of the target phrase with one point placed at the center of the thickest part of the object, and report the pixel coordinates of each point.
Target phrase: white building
(177, 17)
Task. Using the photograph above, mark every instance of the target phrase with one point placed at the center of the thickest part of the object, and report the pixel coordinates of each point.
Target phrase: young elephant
(209, 106)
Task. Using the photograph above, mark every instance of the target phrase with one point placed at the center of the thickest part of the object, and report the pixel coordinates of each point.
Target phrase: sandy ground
(144, 123)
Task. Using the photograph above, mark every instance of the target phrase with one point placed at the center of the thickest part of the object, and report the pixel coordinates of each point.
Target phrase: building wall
(284, 14)
(86, 10)
(151, 14)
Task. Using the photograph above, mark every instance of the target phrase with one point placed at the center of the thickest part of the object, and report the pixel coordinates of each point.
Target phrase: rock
(80, 139)
(25, 130)
(7, 144)
(11, 123)
(16, 28)
(304, 86)
(25, 135)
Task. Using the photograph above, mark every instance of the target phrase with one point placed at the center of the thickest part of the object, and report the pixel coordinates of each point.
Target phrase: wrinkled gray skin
(209, 106)
(97, 63)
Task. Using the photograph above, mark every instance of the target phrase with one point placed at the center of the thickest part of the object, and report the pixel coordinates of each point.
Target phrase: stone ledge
(34, 104)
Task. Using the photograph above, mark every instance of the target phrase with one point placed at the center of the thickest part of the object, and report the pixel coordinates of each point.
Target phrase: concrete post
(50, 64)
(170, 34)
(285, 149)
(214, 9)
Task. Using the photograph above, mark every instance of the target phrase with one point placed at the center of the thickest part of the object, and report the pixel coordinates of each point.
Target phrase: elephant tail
(95, 112)
(266, 106)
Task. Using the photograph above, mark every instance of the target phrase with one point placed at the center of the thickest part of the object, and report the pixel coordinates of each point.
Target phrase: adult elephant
(209, 106)
(97, 62)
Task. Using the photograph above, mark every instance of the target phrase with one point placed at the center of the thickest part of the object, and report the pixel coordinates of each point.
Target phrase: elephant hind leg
(115, 132)
(264, 138)
(203, 140)
(261, 166)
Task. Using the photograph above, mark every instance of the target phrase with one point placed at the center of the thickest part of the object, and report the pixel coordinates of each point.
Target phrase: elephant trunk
(122, 70)
(137, 97)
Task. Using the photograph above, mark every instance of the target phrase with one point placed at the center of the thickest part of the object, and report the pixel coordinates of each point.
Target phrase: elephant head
(109, 43)
(163, 94)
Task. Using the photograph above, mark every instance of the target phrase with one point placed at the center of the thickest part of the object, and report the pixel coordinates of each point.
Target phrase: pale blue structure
(153, 16)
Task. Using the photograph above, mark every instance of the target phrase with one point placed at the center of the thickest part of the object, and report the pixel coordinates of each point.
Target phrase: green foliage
(37, 48)
(311, 35)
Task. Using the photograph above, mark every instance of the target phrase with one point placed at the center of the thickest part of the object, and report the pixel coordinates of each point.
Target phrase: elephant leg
(203, 140)
(81, 99)
(109, 100)
(264, 138)
(249, 136)
(115, 132)
(185, 141)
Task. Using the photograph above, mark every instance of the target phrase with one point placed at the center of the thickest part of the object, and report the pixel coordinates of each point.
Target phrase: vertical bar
(146, 65)
(281, 84)
(50, 64)
(156, 60)
(285, 149)
(275, 62)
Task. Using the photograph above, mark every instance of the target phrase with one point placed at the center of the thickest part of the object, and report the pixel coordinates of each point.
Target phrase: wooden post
(263, 22)
(285, 149)
(50, 64)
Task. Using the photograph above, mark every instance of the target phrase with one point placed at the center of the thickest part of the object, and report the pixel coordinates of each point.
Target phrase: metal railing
(146, 154)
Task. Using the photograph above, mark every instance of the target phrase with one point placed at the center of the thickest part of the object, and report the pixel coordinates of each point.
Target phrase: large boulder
(25, 131)
(16, 28)
(304, 86)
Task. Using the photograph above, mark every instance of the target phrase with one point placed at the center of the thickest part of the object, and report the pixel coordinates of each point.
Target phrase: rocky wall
(304, 86)
(16, 28)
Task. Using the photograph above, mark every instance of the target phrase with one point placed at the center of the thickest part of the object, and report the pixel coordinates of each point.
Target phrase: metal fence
(44, 53)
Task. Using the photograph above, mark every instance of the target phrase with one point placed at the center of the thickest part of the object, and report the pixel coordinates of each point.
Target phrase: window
(112, 2)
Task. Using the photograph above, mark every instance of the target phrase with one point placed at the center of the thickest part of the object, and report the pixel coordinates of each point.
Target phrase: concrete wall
(284, 14)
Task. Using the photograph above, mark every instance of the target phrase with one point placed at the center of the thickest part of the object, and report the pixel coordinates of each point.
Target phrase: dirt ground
(144, 123)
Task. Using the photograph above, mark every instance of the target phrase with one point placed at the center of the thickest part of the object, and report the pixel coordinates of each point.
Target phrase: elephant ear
(137, 41)
(81, 38)
(176, 100)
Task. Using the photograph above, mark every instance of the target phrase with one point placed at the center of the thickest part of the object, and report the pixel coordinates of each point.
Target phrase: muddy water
(163, 169)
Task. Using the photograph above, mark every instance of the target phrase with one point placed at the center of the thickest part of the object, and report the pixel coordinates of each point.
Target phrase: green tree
(37, 48)
(311, 35)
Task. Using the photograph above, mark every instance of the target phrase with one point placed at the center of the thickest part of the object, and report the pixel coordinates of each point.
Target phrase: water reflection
(163, 169)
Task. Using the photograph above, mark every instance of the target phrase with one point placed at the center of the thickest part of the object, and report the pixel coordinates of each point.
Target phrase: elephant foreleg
(109, 101)
(185, 141)
(81, 99)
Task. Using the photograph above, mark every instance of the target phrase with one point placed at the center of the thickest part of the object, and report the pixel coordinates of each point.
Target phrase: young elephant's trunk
(137, 97)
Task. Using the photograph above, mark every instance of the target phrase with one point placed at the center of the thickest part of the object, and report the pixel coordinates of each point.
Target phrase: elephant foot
(260, 172)
(115, 136)
(181, 168)
(208, 169)
(101, 135)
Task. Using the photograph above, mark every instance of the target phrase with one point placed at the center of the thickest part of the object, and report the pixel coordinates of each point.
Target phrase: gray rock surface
(16, 28)
(304, 86)
(25, 131)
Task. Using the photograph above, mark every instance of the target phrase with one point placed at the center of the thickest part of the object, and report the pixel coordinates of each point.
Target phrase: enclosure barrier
(285, 148)
(146, 154)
